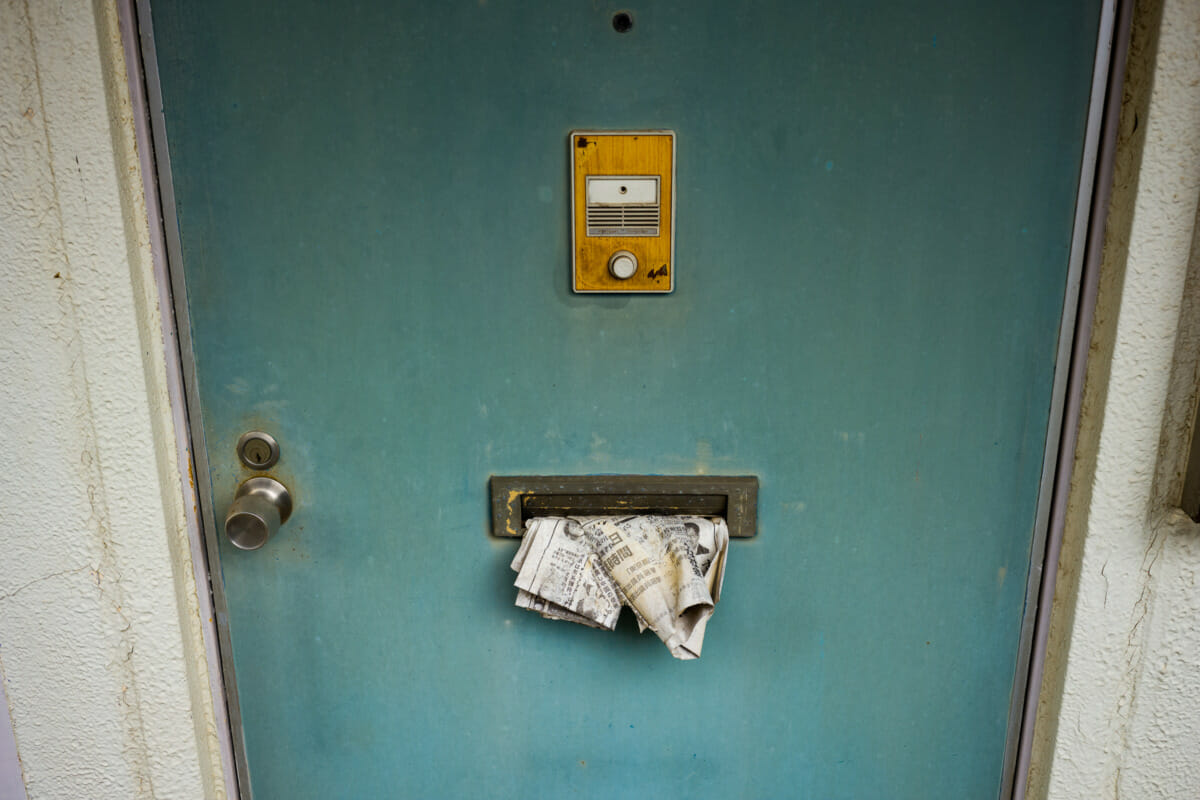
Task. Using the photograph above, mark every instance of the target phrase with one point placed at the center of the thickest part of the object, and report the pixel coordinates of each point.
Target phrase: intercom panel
(623, 203)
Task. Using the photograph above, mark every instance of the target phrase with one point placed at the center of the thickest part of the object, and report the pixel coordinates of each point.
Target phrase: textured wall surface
(100, 639)
(1118, 717)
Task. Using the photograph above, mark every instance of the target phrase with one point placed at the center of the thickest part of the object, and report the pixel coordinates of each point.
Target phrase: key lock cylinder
(261, 503)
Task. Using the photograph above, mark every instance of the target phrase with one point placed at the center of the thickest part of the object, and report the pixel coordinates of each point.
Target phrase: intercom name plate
(623, 203)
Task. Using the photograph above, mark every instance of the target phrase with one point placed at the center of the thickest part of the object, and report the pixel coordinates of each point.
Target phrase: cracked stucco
(100, 640)
(1118, 716)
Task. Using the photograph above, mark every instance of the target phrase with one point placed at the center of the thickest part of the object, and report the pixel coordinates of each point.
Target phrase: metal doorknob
(260, 506)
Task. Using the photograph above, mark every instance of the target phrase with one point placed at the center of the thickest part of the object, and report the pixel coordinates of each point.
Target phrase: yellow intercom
(623, 203)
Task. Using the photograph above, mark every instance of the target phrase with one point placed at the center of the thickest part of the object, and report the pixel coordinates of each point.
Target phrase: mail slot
(516, 499)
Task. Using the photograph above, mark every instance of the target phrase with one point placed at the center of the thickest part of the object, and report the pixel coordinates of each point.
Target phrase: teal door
(874, 212)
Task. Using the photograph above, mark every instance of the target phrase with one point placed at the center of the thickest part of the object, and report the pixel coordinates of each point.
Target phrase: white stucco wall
(1119, 715)
(101, 651)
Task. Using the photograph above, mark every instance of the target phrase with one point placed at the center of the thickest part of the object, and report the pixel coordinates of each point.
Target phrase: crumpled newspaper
(668, 569)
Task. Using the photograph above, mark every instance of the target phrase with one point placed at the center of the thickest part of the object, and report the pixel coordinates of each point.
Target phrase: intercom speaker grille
(623, 220)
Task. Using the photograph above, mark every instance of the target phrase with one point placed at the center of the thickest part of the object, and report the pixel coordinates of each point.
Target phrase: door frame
(1070, 369)
(1084, 257)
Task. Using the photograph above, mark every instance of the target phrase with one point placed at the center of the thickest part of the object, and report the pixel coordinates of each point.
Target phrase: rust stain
(192, 483)
(514, 498)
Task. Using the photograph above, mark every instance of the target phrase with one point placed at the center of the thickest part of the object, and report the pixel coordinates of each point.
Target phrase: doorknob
(260, 506)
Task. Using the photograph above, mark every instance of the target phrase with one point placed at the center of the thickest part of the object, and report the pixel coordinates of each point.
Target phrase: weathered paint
(354, 282)
(623, 154)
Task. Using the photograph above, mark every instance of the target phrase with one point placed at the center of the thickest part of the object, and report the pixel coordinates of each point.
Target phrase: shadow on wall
(1177, 475)
(12, 785)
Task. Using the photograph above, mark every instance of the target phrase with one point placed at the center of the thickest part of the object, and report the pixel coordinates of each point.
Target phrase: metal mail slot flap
(516, 499)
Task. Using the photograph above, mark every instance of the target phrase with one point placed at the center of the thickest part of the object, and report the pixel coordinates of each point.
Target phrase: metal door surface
(874, 213)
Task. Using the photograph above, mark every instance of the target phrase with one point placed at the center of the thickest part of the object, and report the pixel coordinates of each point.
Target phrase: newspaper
(668, 569)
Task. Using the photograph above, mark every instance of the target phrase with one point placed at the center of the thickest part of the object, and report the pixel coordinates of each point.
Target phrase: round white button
(623, 264)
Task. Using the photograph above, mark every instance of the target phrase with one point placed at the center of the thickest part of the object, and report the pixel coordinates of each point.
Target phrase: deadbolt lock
(258, 450)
